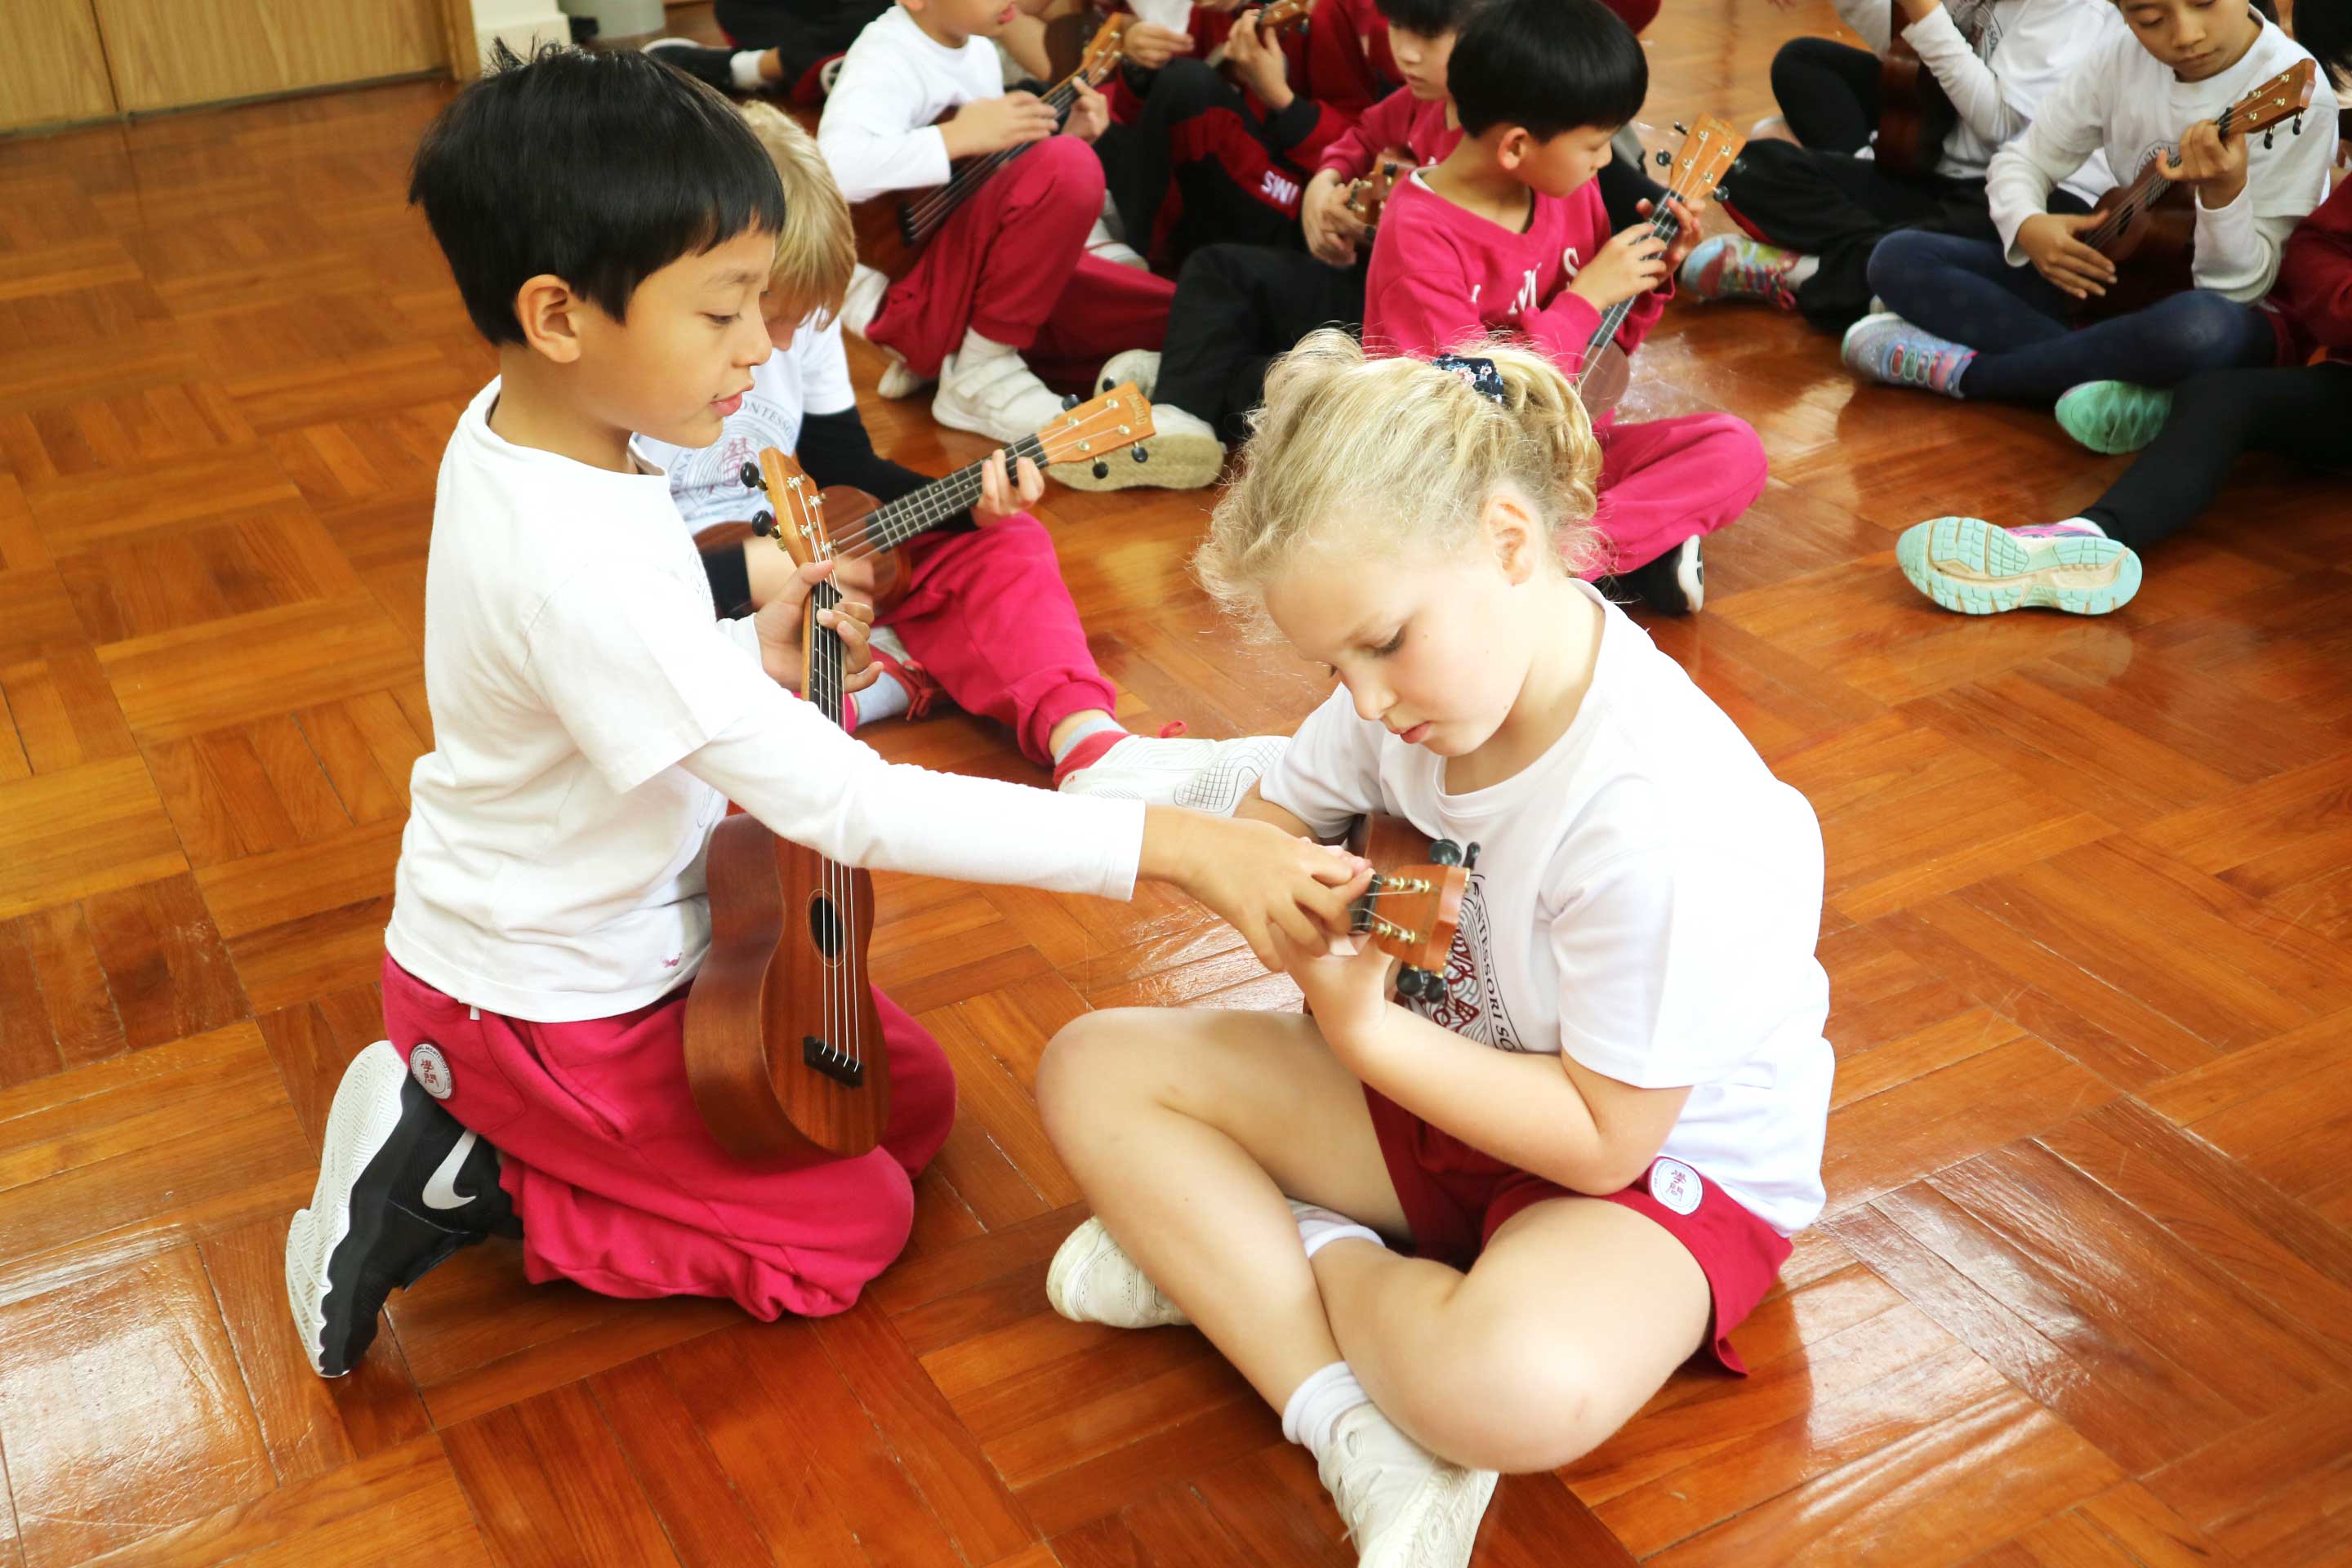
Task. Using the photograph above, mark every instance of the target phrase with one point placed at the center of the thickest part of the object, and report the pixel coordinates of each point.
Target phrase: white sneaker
(1141, 367)
(1211, 776)
(1103, 244)
(1000, 398)
(1183, 454)
(1094, 1281)
(1403, 1506)
(860, 306)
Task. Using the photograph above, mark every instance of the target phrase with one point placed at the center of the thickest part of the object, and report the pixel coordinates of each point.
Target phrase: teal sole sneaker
(1967, 564)
(2113, 417)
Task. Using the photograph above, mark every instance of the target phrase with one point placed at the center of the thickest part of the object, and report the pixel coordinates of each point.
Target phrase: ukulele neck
(1666, 226)
(911, 514)
(828, 659)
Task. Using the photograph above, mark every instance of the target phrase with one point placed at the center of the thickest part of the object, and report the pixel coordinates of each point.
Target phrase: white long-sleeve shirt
(2120, 100)
(2024, 49)
(591, 722)
(877, 133)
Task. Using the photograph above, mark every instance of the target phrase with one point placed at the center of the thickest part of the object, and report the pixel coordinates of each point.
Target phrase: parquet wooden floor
(2083, 1292)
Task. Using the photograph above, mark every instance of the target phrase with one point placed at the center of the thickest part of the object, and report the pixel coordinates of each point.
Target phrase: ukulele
(894, 227)
(1367, 194)
(1281, 16)
(1914, 113)
(1409, 913)
(865, 529)
(2152, 223)
(1706, 154)
(784, 1046)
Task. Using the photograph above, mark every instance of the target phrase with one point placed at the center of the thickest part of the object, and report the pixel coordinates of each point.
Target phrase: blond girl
(1454, 1237)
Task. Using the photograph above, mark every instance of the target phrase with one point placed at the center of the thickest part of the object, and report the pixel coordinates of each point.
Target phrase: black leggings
(1828, 93)
(2304, 413)
(804, 33)
(1237, 307)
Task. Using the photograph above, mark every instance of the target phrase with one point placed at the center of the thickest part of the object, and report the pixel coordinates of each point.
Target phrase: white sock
(744, 67)
(885, 699)
(1087, 730)
(1316, 1405)
(1801, 272)
(975, 349)
(1319, 1227)
(2084, 522)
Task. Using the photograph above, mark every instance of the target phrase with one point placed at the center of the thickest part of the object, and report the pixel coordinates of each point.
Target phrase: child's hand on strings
(1258, 62)
(1333, 231)
(1631, 263)
(1260, 879)
(1690, 217)
(1090, 115)
(2212, 163)
(1344, 979)
(1149, 46)
(993, 124)
(2050, 242)
(999, 499)
(780, 620)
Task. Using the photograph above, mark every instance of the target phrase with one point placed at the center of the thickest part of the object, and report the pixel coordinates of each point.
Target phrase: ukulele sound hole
(825, 928)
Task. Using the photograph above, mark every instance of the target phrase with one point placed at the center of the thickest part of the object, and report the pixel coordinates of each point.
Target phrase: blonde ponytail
(1374, 454)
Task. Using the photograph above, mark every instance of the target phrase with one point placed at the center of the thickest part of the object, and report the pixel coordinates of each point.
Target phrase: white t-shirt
(1647, 897)
(2024, 49)
(591, 721)
(877, 133)
(2121, 99)
(810, 377)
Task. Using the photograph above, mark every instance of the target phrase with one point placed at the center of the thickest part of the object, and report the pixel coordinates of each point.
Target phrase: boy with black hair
(1238, 306)
(1509, 235)
(611, 225)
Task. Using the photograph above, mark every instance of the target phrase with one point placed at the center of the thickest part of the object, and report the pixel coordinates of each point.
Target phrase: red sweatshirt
(1337, 68)
(2314, 291)
(1399, 120)
(1441, 275)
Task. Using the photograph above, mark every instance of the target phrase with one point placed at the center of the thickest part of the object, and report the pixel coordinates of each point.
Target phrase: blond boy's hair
(1373, 455)
(817, 249)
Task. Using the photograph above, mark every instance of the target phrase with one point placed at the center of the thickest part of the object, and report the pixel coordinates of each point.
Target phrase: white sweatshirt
(2121, 99)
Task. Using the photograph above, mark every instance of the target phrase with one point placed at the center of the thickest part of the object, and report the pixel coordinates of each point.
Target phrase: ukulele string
(2137, 199)
(891, 526)
(1664, 226)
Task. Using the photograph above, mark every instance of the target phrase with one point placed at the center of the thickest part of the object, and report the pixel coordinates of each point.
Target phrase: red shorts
(1455, 1198)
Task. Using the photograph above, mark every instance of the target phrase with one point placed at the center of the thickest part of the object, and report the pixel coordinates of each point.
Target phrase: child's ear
(548, 312)
(1514, 148)
(1515, 535)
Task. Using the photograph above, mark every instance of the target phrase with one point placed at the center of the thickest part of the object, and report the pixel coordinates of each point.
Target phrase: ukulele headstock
(1411, 911)
(1369, 195)
(2285, 96)
(1103, 51)
(798, 518)
(1090, 431)
(1708, 150)
(1282, 14)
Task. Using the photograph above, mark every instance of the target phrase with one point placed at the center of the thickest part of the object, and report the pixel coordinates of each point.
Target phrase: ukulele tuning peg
(763, 524)
(1470, 858)
(1680, 129)
(1139, 454)
(1100, 470)
(1413, 982)
(1069, 401)
(1721, 194)
(752, 477)
(1445, 852)
(1665, 159)
(2270, 138)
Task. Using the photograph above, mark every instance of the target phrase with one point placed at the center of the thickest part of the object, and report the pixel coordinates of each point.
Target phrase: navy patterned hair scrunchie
(1478, 374)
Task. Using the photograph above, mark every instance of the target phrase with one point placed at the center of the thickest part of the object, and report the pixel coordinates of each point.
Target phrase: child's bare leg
(1572, 1317)
(1186, 1128)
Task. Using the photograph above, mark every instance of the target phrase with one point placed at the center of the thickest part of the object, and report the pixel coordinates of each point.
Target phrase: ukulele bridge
(831, 1061)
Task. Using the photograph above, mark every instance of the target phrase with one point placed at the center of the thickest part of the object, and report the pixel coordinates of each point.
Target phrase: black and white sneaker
(699, 61)
(402, 1186)
(1673, 584)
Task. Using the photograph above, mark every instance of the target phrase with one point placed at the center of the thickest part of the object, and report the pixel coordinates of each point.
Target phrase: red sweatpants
(1012, 264)
(1665, 481)
(988, 615)
(620, 1188)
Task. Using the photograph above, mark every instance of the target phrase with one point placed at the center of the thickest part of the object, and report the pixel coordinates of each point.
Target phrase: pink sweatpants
(1012, 264)
(1665, 480)
(620, 1188)
(988, 615)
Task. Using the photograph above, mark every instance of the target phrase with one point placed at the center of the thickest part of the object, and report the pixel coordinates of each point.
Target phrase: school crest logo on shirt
(1473, 1004)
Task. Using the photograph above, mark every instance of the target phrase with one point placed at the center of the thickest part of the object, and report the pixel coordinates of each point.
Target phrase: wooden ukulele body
(1915, 115)
(769, 1010)
(2154, 253)
(885, 225)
